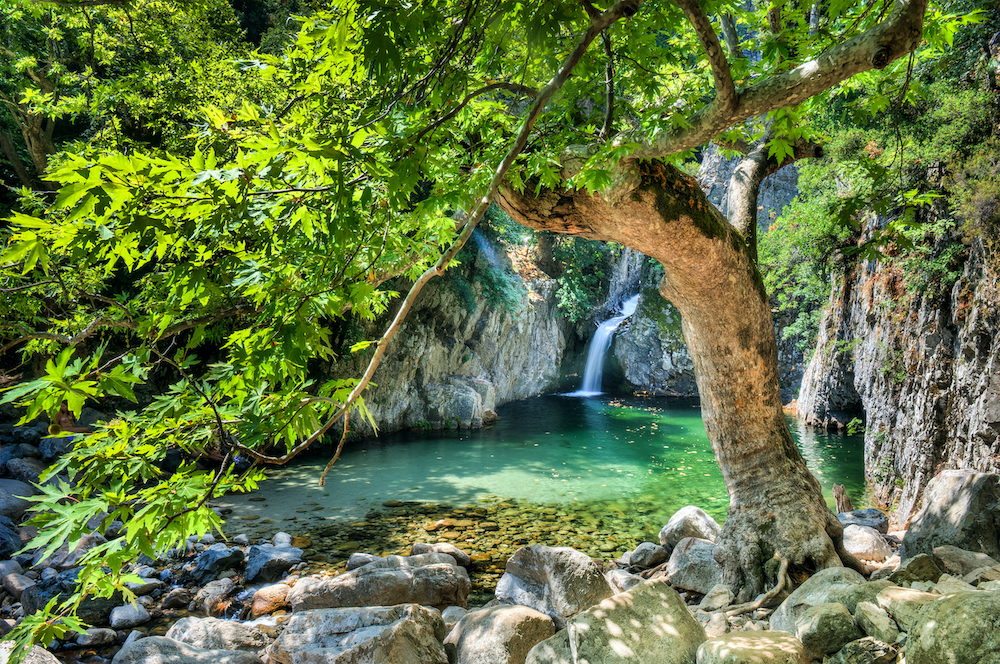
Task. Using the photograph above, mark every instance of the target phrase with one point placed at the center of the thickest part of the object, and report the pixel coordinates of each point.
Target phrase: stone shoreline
(407, 575)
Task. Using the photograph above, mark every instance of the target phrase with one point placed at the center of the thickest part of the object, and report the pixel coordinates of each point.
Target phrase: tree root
(765, 598)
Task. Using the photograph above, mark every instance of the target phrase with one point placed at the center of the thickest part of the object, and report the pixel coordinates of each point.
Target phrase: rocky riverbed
(498, 582)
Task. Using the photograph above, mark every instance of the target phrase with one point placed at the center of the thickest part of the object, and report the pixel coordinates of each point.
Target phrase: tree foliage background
(196, 213)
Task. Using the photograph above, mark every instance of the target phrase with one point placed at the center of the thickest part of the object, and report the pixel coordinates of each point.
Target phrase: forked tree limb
(894, 37)
(725, 89)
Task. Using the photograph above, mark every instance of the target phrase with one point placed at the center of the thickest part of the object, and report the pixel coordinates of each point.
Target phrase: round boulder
(958, 629)
(498, 635)
(866, 543)
(689, 521)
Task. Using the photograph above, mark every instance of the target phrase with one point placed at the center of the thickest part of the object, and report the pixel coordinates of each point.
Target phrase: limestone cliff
(452, 364)
(923, 366)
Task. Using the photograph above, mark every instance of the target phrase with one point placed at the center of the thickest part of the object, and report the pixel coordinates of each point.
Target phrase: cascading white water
(599, 347)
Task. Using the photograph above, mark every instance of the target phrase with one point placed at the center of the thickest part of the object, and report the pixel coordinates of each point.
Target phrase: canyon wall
(457, 358)
(922, 368)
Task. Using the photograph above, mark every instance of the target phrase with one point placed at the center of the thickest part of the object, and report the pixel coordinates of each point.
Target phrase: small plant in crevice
(855, 426)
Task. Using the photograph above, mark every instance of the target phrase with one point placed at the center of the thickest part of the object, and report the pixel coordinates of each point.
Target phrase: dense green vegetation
(211, 213)
(909, 178)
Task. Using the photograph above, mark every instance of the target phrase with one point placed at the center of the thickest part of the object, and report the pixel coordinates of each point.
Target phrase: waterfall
(599, 347)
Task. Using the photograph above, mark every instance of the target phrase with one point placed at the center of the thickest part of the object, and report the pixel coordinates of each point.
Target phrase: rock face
(649, 623)
(559, 582)
(960, 508)
(924, 369)
(454, 361)
(403, 634)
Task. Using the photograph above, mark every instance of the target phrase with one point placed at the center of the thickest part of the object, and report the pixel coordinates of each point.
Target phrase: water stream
(599, 349)
(590, 456)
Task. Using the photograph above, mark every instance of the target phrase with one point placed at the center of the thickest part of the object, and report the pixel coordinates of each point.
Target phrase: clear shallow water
(596, 455)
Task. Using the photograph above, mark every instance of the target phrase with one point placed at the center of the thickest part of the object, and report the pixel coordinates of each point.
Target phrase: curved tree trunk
(776, 505)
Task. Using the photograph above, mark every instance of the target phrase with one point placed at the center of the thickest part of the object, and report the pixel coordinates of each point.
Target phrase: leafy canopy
(208, 269)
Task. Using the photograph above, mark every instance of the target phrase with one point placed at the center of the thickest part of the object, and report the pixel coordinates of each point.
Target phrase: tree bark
(776, 505)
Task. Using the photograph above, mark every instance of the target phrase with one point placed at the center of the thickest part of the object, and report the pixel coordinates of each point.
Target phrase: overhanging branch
(725, 90)
(875, 48)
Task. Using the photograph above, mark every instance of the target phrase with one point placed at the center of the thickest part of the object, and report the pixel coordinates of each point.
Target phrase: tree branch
(875, 48)
(725, 90)
(515, 87)
(609, 88)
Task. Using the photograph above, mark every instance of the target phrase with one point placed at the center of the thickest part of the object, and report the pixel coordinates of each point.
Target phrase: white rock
(689, 521)
(866, 543)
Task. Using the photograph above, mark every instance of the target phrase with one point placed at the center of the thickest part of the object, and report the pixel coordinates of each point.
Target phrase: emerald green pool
(595, 455)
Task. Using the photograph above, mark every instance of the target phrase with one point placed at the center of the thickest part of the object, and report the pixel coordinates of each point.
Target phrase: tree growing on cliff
(397, 118)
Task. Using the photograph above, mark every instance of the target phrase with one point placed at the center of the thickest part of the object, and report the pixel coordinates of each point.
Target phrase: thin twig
(340, 448)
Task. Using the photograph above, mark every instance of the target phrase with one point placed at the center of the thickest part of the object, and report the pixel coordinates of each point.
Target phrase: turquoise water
(598, 455)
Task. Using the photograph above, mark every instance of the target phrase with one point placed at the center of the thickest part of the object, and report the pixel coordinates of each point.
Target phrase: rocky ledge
(662, 601)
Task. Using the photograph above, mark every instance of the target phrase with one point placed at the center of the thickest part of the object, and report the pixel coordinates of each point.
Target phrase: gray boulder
(431, 585)
(959, 562)
(717, 598)
(404, 634)
(63, 558)
(958, 629)
(268, 562)
(866, 543)
(93, 610)
(213, 598)
(865, 651)
(498, 635)
(621, 580)
(10, 540)
(649, 623)
(161, 650)
(961, 508)
(918, 568)
(12, 498)
(129, 615)
(96, 636)
(215, 634)
(870, 518)
(825, 628)
(875, 622)
(359, 559)
(53, 448)
(648, 555)
(689, 521)
(419, 560)
(37, 654)
(215, 559)
(905, 604)
(461, 557)
(16, 584)
(26, 470)
(753, 647)
(835, 584)
(692, 566)
(559, 582)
